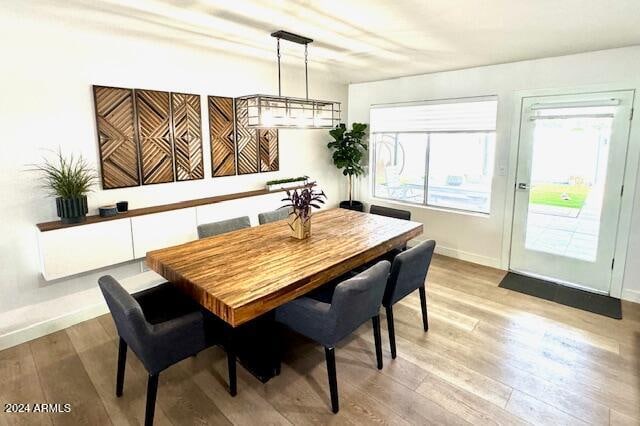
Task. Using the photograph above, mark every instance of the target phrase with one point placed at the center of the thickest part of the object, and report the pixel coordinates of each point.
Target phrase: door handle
(523, 186)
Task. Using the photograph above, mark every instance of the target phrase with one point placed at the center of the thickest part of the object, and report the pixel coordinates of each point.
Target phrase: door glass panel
(399, 169)
(568, 173)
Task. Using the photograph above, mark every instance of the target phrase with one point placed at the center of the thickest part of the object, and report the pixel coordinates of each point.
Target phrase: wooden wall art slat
(269, 155)
(116, 137)
(221, 131)
(246, 141)
(187, 136)
(154, 136)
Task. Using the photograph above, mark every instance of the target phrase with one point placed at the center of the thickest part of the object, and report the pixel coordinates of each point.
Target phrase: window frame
(425, 204)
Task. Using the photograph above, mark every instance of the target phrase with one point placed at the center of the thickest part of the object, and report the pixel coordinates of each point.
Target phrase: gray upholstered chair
(408, 273)
(396, 214)
(330, 319)
(274, 215)
(217, 228)
(162, 327)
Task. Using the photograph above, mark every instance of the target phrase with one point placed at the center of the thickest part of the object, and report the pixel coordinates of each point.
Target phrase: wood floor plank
(98, 354)
(514, 368)
(179, 396)
(356, 364)
(470, 407)
(619, 419)
(539, 413)
(210, 373)
(433, 361)
(64, 380)
(20, 384)
(491, 356)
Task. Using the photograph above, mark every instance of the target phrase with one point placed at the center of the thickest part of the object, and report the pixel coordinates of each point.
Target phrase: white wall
(48, 66)
(480, 238)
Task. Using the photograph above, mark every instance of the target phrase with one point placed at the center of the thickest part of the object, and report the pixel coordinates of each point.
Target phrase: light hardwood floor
(491, 356)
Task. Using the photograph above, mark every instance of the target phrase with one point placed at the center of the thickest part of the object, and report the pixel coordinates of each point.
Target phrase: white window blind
(478, 114)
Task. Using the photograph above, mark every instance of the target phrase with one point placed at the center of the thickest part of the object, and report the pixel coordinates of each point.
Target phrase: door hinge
(622, 191)
(613, 262)
(631, 115)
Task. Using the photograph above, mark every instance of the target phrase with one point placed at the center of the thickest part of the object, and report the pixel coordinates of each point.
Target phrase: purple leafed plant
(300, 201)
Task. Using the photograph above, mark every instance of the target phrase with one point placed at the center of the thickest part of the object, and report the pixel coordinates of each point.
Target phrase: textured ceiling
(362, 40)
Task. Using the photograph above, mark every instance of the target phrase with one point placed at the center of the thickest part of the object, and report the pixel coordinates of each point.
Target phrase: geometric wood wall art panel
(187, 136)
(154, 136)
(116, 137)
(268, 141)
(223, 150)
(246, 141)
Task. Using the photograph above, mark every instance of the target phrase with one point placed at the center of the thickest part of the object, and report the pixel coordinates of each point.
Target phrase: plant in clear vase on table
(301, 202)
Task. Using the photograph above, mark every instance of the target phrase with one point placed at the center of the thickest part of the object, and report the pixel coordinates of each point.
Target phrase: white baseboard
(631, 295)
(462, 255)
(51, 325)
(58, 322)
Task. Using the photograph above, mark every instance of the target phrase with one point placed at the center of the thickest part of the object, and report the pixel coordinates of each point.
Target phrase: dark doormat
(579, 299)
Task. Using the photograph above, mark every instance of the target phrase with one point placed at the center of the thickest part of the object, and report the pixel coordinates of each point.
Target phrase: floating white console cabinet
(160, 230)
(70, 251)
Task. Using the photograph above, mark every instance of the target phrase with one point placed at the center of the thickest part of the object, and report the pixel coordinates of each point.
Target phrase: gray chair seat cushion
(169, 339)
(353, 302)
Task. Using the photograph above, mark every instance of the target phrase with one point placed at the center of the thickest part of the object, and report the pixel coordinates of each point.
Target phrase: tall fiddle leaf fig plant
(348, 149)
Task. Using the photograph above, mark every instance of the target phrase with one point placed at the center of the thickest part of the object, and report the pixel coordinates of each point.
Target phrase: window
(435, 153)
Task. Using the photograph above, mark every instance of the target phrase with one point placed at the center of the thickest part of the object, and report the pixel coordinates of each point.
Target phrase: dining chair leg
(423, 304)
(377, 339)
(122, 362)
(231, 363)
(152, 391)
(330, 354)
(392, 331)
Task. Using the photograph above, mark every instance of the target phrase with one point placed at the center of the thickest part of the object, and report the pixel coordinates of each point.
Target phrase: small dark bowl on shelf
(122, 206)
(108, 211)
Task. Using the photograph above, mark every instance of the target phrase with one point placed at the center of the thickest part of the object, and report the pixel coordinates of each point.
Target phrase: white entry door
(571, 161)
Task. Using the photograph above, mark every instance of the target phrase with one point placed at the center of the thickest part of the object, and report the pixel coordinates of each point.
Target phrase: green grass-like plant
(66, 177)
(287, 180)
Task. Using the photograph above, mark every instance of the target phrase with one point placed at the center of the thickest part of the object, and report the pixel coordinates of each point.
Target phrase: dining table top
(243, 274)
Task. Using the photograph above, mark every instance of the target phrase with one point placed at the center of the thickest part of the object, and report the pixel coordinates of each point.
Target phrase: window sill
(432, 208)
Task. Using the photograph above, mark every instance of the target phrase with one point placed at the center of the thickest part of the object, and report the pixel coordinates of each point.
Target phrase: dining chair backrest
(389, 212)
(409, 271)
(224, 226)
(273, 216)
(127, 315)
(358, 299)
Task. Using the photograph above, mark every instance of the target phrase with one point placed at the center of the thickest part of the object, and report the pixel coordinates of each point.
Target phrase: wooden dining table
(242, 276)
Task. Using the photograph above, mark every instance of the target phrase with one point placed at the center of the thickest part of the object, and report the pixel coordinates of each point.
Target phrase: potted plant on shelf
(274, 185)
(348, 151)
(301, 201)
(69, 180)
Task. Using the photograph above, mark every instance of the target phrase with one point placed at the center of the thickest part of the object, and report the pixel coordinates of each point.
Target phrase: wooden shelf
(50, 226)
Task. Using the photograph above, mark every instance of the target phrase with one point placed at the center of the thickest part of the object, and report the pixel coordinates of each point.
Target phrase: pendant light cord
(279, 81)
(306, 72)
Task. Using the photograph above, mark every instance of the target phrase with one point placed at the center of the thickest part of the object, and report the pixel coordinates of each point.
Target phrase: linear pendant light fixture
(283, 112)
